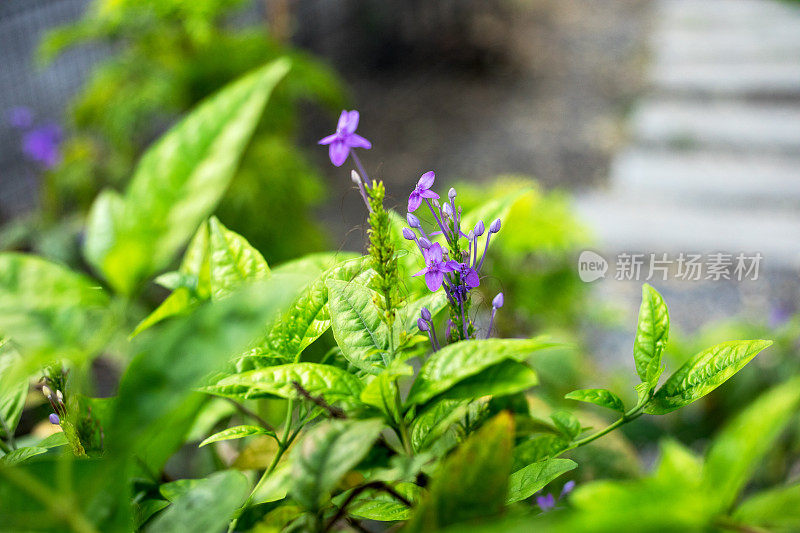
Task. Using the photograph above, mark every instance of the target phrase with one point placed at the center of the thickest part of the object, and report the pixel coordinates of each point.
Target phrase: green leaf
(526, 482)
(383, 507)
(566, 423)
(651, 335)
(538, 448)
(702, 374)
(177, 183)
(232, 259)
(777, 509)
(12, 393)
(49, 312)
(334, 385)
(601, 397)
(275, 487)
(497, 207)
(473, 481)
(357, 326)
(21, 455)
(207, 506)
(237, 432)
(309, 318)
(382, 390)
(435, 420)
(743, 443)
(458, 361)
(326, 454)
(179, 302)
(313, 265)
(503, 379)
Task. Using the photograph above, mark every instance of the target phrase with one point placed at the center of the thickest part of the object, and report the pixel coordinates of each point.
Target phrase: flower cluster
(458, 268)
(56, 402)
(41, 144)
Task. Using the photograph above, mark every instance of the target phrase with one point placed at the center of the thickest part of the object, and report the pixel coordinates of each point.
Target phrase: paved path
(713, 161)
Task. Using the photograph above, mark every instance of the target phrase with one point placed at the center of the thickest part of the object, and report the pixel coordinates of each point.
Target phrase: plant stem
(249, 413)
(5, 447)
(401, 421)
(633, 414)
(10, 434)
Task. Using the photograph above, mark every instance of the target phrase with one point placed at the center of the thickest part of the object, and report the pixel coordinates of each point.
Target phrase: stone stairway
(713, 160)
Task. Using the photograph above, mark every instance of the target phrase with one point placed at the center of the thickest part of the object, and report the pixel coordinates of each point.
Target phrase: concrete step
(650, 226)
(760, 43)
(758, 127)
(703, 14)
(775, 79)
(708, 178)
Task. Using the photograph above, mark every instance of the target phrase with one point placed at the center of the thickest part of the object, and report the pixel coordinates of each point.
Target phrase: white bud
(47, 392)
(59, 396)
(355, 177)
(471, 235)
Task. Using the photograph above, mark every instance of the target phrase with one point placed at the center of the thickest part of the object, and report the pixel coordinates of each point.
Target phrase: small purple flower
(436, 267)
(413, 221)
(495, 227)
(546, 503)
(568, 486)
(498, 301)
(408, 234)
(42, 145)
(54, 419)
(425, 313)
(345, 138)
(469, 277)
(422, 190)
(20, 117)
(479, 228)
(422, 325)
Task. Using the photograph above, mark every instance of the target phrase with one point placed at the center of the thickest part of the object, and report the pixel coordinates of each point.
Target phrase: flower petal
(425, 193)
(421, 272)
(434, 280)
(352, 121)
(426, 180)
(342, 124)
(328, 140)
(451, 266)
(414, 201)
(338, 152)
(435, 252)
(472, 279)
(357, 141)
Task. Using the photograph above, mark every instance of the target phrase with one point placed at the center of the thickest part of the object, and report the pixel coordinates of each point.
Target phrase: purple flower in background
(345, 138)
(42, 145)
(422, 190)
(20, 117)
(546, 503)
(436, 266)
(568, 486)
(54, 419)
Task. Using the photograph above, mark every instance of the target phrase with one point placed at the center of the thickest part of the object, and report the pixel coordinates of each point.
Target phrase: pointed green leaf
(179, 302)
(538, 448)
(777, 510)
(703, 373)
(503, 379)
(458, 361)
(744, 442)
(333, 384)
(382, 390)
(12, 393)
(177, 183)
(232, 259)
(207, 506)
(326, 454)
(601, 397)
(473, 481)
(237, 432)
(21, 455)
(383, 507)
(651, 334)
(435, 420)
(526, 482)
(567, 424)
(357, 326)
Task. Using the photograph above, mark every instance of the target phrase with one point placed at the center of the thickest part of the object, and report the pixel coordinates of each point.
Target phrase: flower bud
(47, 392)
(355, 177)
(59, 396)
(451, 193)
(471, 235)
(447, 210)
(448, 328)
(436, 203)
(425, 243)
(408, 234)
(422, 325)
(497, 303)
(54, 419)
(495, 227)
(479, 228)
(413, 221)
(425, 313)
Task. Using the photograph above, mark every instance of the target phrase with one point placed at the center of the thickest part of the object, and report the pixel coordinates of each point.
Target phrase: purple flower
(425, 313)
(345, 138)
(468, 275)
(20, 117)
(408, 234)
(495, 227)
(436, 267)
(422, 190)
(568, 486)
(412, 220)
(42, 145)
(54, 419)
(422, 325)
(479, 228)
(498, 300)
(546, 503)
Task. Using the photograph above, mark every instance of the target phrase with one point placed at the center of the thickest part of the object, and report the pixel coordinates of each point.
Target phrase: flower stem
(365, 177)
(633, 414)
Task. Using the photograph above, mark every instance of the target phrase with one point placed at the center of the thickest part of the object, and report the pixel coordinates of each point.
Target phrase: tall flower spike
(422, 190)
(345, 138)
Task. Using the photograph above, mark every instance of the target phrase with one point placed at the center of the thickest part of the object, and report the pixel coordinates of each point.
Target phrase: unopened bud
(59, 396)
(497, 303)
(413, 221)
(495, 227)
(451, 193)
(54, 419)
(471, 235)
(425, 243)
(436, 203)
(425, 313)
(422, 325)
(47, 392)
(408, 234)
(447, 210)
(479, 228)
(355, 177)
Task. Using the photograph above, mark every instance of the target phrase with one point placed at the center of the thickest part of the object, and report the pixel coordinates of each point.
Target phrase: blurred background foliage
(166, 56)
